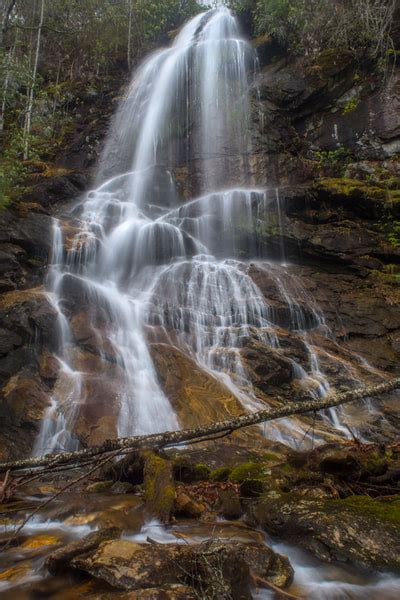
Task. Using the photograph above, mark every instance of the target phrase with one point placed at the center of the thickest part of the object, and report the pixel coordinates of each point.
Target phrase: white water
(136, 258)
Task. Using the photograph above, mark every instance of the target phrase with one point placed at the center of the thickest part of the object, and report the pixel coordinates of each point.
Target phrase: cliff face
(328, 134)
(330, 137)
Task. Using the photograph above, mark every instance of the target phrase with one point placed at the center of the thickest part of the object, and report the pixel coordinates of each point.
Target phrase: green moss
(374, 464)
(159, 488)
(384, 510)
(201, 472)
(220, 474)
(186, 472)
(249, 471)
(350, 106)
(288, 469)
(352, 187)
(272, 457)
(393, 196)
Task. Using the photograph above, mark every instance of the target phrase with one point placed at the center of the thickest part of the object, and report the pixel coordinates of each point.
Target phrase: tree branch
(26, 28)
(172, 438)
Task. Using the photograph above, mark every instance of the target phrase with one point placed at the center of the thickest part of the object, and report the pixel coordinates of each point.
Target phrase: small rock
(184, 505)
(99, 486)
(122, 487)
(230, 506)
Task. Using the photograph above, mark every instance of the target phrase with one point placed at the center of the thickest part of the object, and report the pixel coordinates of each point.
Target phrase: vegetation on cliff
(52, 53)
(310, 26)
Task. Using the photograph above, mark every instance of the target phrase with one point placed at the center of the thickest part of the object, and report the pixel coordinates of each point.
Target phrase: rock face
(326, 135)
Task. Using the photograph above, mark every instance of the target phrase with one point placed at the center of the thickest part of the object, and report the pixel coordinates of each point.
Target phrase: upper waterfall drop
(186, 103)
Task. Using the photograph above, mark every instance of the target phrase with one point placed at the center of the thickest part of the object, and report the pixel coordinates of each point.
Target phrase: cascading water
(140, 259)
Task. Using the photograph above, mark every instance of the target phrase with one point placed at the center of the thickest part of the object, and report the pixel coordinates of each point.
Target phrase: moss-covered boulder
(159, 489)
(186, 471)
(253, 478)
(357, 529)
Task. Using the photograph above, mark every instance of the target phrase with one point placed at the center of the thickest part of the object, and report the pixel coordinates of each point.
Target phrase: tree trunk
(28, 116)
(10, 59)
(172, 438)
(129, 50)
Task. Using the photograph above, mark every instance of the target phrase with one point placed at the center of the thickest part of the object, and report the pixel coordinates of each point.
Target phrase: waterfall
(135, 257)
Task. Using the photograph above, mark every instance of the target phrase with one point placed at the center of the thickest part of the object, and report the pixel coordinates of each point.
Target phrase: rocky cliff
(326, 133)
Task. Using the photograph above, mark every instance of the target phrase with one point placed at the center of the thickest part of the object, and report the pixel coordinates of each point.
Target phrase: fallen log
(174, 438)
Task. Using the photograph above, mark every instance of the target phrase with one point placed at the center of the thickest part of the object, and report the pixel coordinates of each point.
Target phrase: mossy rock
(187, 472)
(249, 471)
(220, 474)
(99, 486)
(159, 489)
(333, 60)
(252, 478)
(388, 511)
(352, 188)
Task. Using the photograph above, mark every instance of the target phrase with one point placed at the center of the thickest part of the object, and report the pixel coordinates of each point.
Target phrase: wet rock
(229, 504)
(23, 403)
(99, 486)
(159, 486)
(197, 396)
(186, 506)
(55, 190)
(214, 568)
(99, 399)
(59, 560)
(266, 366)
(32, 233)
(122, 487)
(49, 366)
(29, 315)
(333, 530)
(9, 341)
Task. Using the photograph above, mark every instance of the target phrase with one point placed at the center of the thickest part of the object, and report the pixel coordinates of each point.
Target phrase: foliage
(79, 41)
(394, 234)
(333, 158)
(12, 169)
(308, 26)
(350, 105)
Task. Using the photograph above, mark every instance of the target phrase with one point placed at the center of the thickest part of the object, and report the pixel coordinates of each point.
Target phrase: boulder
(359, 531)
(215, 569)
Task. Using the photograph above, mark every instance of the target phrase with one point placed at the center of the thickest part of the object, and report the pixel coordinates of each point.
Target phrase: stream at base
(23, 576)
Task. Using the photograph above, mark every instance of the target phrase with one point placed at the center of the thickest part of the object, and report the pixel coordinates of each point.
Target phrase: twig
(280, 594)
